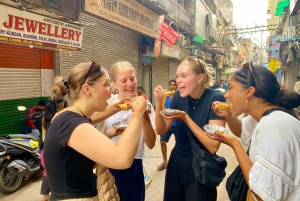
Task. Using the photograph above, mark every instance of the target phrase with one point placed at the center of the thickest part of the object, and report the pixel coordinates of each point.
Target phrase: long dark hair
(266, 86)
(50, 110)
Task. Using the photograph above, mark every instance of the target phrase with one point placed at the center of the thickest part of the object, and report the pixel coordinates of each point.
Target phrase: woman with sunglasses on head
(73, 145)
(194, 97)
(272, 169)
(130, 182)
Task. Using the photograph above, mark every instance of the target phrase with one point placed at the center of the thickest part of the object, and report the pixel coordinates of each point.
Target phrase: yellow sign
(128, 13)
(273, 65)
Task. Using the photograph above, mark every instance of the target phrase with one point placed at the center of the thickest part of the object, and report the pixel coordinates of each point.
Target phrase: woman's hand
(178, 115)
(158, 93)
(113, 132)
(138, 104)
(221, 113)
(224, 138)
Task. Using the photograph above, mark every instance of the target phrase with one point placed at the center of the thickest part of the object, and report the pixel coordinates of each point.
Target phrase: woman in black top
(192, 102)
(73, 144)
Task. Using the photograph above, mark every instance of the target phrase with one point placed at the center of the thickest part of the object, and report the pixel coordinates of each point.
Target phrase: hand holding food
(222, 106)
(158, 92)
(139, 104)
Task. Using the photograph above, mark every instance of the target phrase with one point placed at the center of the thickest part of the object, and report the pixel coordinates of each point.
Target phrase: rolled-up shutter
(20, 72)
(161, 72)
(104, 42)
(172, 69)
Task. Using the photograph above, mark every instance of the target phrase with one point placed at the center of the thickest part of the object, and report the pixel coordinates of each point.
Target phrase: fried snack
(124, 106)
(169, 93)
(222, 106)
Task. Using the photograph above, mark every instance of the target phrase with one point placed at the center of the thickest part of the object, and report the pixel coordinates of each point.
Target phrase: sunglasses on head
(94, 67)
(249, 64)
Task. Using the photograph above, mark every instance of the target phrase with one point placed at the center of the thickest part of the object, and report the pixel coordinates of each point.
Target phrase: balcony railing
(66, 8)
(172, 11)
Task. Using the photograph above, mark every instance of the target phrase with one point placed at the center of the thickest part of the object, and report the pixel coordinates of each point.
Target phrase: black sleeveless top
(69, 173)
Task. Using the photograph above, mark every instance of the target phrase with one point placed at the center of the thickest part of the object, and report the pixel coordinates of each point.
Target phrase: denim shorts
(166, 136)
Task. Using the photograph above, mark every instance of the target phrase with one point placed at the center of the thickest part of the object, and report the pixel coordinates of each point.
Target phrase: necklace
(195, 103)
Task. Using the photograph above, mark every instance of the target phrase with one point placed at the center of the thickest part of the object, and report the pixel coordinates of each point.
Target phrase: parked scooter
(19, 157)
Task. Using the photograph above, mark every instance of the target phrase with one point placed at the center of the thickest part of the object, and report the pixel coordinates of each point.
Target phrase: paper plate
(121, 125)
(211, 128)
(168, 112)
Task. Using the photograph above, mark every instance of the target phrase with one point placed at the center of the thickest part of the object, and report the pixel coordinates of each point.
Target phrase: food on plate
(169, 93)
(222, 106)
(168, 112)
(124, 106)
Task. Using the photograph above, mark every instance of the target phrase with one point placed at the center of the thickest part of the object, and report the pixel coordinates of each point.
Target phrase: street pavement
(30, 189)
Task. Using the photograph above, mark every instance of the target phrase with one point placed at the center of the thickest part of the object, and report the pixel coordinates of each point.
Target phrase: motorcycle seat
(23, 136)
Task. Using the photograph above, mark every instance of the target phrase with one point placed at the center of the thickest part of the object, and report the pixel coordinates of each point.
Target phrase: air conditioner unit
(181, 40)
(291, 32)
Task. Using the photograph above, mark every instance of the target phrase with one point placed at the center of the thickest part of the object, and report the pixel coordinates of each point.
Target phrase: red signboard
(169, 35)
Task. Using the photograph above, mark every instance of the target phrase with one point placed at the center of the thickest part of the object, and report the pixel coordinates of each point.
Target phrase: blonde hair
(208, 72)
(77, 77)
(120, 66)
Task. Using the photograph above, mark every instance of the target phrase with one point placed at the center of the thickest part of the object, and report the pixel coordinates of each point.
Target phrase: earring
(246, 100)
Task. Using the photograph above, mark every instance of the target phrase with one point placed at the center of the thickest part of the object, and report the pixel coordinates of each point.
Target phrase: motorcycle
(19, 157)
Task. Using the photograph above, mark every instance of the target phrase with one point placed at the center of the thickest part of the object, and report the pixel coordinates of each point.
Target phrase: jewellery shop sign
(18, 26)
(128, 13)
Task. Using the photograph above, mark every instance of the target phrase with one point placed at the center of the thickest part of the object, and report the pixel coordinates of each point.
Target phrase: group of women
(73, 145)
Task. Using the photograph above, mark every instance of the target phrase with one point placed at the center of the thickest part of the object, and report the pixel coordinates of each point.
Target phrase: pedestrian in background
(141, 92)
(73, 144)
(130, 181)
(194, 96)
(30, 122)
(164, 138)
(272, 169)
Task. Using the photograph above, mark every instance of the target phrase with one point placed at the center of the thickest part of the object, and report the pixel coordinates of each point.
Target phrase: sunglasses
(94, 66)
(191, 58)
(249, 64)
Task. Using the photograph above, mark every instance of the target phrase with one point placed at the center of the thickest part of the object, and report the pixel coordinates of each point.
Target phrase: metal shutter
(161, 72)
(172, 69)
(20, 72)
(292, 72)
(104, 42)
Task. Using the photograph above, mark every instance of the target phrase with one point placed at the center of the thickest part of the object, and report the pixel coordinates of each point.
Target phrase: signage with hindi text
(128, 13)
(168, 34)
(19, 26)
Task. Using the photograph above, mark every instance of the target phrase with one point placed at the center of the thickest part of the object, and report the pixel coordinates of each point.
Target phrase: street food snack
(222, 106)
(168, 112)
(121, 125)
(124, 106)
(169, 93)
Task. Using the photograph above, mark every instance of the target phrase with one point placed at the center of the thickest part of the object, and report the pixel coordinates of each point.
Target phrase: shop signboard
(168, 34)
(19, 26)
(130, 14)
(274, 46)
(168, 51)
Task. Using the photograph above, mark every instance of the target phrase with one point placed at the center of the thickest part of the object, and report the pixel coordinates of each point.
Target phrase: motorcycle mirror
(21, 108)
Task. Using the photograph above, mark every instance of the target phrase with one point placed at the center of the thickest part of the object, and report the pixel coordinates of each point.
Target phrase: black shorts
(166, 136)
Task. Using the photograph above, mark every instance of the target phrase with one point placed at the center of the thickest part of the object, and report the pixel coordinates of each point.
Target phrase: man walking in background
(164, 138)
(39, 107)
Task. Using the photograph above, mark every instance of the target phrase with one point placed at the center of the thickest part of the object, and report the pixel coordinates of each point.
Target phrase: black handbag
(236, 185)
(209, 169)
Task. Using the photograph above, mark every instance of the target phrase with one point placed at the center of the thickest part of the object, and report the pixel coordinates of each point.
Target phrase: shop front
(28, 46)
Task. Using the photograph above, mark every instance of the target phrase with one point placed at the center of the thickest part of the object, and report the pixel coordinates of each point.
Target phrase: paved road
(30, 190)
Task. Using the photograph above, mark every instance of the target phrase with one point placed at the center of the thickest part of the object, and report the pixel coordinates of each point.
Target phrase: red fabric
(145, 96)
(30, 121)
